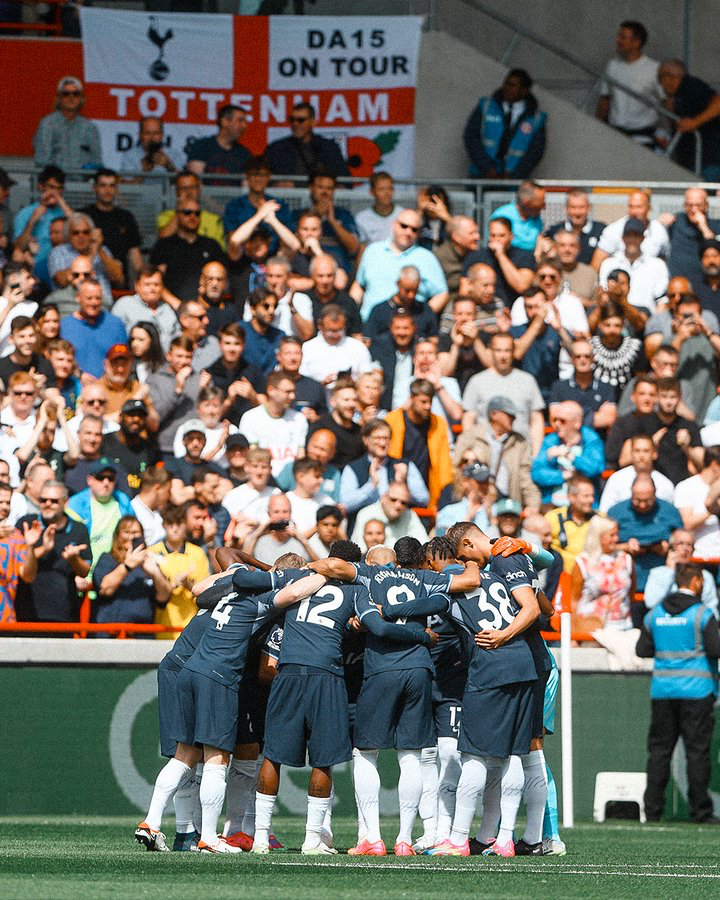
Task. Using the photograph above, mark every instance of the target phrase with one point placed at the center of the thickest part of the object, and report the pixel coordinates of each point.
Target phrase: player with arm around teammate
(394, 708)
(307, 711)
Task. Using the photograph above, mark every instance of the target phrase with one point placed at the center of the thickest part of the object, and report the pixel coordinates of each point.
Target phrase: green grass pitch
(72, 858)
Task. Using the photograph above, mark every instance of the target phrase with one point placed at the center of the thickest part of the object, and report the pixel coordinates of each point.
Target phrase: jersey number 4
(222, 612)
(315, 615)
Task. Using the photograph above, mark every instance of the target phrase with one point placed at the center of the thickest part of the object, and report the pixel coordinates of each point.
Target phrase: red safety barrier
(81, 629)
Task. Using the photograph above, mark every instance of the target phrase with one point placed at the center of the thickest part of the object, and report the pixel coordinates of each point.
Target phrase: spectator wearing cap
(121, 387)
(133, 448)
(507, 514)
(474, 493)
(393, 510)
(656, 241)
(91, 330)
(496, 444)
(366, 479)
(570, 448)
(236, 451)
(6, 214)
(194, 439)
(100, 506)
(649, 275)
(175, 391)
(418, 434)
(706, 285)
(404, 300)
(147, 305)
(65, 138)
(151, 498)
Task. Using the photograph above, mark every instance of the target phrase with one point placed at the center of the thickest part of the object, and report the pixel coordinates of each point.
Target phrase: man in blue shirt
(239, 210)
(538, 344)
(91, 330)
(524, 215)
(33, 221)
(380, 266)
(645, 527)
(262, 338)
(339, 231)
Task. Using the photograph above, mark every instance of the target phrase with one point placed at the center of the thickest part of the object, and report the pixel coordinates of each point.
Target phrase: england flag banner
(359, 73)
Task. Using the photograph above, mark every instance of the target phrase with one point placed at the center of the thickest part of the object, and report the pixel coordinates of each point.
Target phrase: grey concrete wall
(452, 76)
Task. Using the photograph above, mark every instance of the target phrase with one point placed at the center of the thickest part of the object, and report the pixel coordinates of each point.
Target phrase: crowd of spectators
(274, 381)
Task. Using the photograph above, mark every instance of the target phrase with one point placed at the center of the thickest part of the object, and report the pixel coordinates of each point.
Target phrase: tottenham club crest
(159, 69)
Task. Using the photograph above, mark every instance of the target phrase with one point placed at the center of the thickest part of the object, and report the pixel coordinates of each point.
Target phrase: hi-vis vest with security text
(682, 668)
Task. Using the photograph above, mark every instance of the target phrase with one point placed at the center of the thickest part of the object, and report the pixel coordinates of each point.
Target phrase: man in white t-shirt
(154, 495)
(307, 496)
(649, 275)
(656, 241)
(643, 454)
(274, 425)
(375, 223)
(697, 499)
(639, 73)
(332, 352)
(250, 500)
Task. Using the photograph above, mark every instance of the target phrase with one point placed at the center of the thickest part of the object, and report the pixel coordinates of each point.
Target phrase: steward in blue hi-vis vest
(682, 668)
(512, 150)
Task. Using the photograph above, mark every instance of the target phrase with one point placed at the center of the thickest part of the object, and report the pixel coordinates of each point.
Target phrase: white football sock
(428, 808)
(240, 784)
(184, 800)
(264, 805)
(362, 827)
(410, 788)
(169, 777)
(491, 802)
(316, 809)
(212, 797)
(470, 786)
(450, 769)
(327, 821)
(534, 795)
(197, 812)
(367, 791)
(511, 789)
(248, 822)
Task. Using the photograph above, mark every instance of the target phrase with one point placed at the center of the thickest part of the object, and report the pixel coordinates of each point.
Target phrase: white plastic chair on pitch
(628, 787)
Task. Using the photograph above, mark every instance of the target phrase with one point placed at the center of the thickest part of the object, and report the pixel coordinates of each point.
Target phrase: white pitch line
(593, 870)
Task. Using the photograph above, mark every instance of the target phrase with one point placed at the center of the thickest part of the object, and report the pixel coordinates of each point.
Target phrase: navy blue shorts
(252, 703)
(447, 718)
(307, 713)
(168, 708)
(208, 712)
(539, 704)
(497, 721)
(394, 709)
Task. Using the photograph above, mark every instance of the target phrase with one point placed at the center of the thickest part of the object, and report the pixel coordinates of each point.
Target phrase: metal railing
(520, 32)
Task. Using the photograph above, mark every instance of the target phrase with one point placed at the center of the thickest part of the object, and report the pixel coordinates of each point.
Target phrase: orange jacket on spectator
(441, 470)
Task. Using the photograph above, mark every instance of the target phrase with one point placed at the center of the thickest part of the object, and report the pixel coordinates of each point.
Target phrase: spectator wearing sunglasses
(182, 255)
(380, 266)
(80, 269)
(100, 506)
(393, 510)
(66, 138)
(194, 322)
(82, 238)
(303, 150)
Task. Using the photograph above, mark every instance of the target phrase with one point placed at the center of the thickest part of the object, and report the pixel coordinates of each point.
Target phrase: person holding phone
(277, 535)
(128, 579)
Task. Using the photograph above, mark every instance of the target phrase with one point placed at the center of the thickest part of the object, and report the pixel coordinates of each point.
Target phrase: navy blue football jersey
(315, 627)
(222, 651)
(187, 641)
(388, 587)
(491, 607)
(518, 571)
(273, 642)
